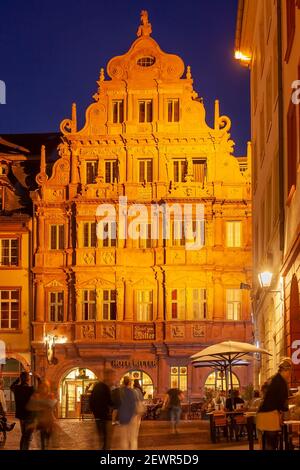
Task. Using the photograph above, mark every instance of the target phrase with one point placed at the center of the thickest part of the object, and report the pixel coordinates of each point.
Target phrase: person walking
(23, 392)
(127, 413)
(101, 406)
(275, 402)
(172, 402)
(140, 411)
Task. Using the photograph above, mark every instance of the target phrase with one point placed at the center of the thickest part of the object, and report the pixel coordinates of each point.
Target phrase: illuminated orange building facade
(142, 306)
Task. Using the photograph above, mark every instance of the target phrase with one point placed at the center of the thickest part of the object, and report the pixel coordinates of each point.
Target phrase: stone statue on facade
(145, 29)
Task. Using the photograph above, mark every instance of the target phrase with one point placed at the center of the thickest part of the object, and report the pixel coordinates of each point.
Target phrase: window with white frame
(199, 304)
(234, 234)
(9, 251)
(233, 304)
(89, 311)
(56, 306)
(89, 234)
(118, 111)
(173, 110)
(178, 378)
(111, 171)
(109, 234)
(57, 237)
(91, 171)
(109, 306)
(179, 170)
(178, 304)
(9, 309)
(144, 305)
(145, 171)
(145, 111)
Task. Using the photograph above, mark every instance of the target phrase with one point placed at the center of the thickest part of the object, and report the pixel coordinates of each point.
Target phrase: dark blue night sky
(52, 51)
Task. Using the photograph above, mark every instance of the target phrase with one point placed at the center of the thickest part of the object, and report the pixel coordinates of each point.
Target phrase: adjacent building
(267, 38)
(140, 304)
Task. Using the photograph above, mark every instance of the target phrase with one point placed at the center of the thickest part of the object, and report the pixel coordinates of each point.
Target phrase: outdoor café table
(286, 432)
(231, 414)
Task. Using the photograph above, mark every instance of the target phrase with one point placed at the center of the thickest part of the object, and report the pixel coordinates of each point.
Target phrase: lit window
(144, 307)
(10, 309)
(57, 237)
(107, 234)
(9, 252)
(178, 233)
(145, 171)
(233, 234)
(89, 304)
(173, 110)
(89, 234)
(145, 111)
(145, 240)
(233, 304)
(199, 304)
(118, 111)
(178, 378)
(56, 306)
(111, 171)
(109, 310)
(91, 171)
(199, 171)
(179, 170)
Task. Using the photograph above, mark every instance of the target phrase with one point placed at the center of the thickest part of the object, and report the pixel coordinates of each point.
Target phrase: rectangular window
(56, 306)
(233, 304)
(111, 171)
(109, 309)
(144, 310)
(9, 252)
(290, 26)
(89, 235)
(199, 171)
(179, 378)
(199, 304)
(110, 234)
(91, 171)
(198, 232)
(234, 234)
(292, 147)
(178, 304)
(179, 171)
(178, 233)
(145, 111)
(118, 111)
(145, 240)
(173, 110)
(57, 237)
(89, 311)
(145, 171)
(10, 309)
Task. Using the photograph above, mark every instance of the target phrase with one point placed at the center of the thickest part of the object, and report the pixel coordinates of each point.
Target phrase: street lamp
(265, 279)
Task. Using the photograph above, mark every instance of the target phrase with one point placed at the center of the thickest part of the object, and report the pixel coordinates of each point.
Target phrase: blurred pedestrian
(42, 404)
(172, 402)
(4, 425)
(22, 392)
(127, 413)
(140, 411)
(101, 405)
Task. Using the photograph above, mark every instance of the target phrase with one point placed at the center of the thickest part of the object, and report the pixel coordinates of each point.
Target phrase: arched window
(217, 380)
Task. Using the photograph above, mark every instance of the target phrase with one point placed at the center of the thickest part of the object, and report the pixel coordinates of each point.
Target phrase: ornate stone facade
(145, 138)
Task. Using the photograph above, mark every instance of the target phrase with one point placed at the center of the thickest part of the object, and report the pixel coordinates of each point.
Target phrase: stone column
(41, 232)
(219, 301)
(40, 307)
(129, 301)
(78, 304)
(218, 220)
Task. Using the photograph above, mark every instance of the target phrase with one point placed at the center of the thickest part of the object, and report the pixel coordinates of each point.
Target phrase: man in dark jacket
(23, 391)
(276, 398)
(101, 405)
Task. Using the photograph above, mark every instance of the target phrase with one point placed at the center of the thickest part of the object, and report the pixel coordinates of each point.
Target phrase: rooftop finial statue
(145, 29)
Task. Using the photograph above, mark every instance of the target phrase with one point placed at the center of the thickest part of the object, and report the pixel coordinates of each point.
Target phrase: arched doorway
(10, 372)
(74, 384)
(145, 381)
(217, 380)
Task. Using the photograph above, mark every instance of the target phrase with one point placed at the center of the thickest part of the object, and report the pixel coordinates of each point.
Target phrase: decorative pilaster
(40, 308)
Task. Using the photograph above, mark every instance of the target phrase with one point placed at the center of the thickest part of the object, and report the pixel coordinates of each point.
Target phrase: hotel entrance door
(73, 386)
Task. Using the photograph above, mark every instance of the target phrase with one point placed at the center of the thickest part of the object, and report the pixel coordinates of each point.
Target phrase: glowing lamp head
(265, 279)
(242, 57)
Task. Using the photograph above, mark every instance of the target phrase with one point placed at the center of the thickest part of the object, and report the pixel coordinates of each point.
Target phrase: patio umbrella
(229, 352)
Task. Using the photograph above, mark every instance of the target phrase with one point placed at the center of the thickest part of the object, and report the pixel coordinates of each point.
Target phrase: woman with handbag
(275, 402)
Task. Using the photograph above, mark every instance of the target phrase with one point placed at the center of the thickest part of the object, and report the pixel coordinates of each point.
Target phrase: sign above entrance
(131, 364)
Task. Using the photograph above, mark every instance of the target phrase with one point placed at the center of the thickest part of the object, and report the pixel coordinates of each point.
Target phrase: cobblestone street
(154, 435)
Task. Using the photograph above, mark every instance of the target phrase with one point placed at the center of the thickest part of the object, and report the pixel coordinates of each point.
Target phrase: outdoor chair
(220, 423)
